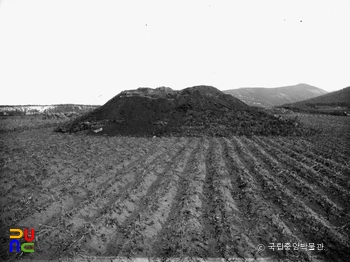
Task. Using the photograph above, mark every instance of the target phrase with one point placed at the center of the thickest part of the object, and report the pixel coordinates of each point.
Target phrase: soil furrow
(121, 209)
(328, 149)
(312, 196)
(173, 198)
(138, 235)
(315, 227)
(109, 156)
(223, 218)
(126, 201)
(183, 233)
(320, 168)
(263, 222)
(79, 220)
(118, 208)
(334, 191)
(55, 207)
(306, 150)
(67, 180)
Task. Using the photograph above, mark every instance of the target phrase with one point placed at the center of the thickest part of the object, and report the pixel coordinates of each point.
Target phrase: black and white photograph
(185, 131)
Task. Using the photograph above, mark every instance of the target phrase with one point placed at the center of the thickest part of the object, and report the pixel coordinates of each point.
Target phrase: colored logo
(16, 246)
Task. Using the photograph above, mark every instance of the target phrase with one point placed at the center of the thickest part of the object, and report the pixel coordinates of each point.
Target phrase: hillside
(337, 102)
(10, 110)
(269, 97)
(194, 111)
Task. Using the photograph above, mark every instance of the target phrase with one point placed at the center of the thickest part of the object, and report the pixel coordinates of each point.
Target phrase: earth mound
(194, 111)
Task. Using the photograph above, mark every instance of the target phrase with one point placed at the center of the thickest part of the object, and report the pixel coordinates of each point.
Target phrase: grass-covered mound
(195, 111)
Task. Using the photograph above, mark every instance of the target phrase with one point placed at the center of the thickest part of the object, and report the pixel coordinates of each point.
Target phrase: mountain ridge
(275, 96)
(337, 102)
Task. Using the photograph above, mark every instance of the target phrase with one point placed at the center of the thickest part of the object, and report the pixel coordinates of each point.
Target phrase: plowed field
(174, 197)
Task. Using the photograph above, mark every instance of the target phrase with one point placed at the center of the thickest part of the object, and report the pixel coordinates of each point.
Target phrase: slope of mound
(337, 102)
(195, 111)
(269, 97)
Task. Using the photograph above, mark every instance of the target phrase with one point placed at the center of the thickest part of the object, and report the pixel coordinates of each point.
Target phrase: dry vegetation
(176, 196)
(22, 123)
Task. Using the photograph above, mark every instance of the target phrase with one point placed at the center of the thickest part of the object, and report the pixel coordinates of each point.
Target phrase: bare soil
(174, 197)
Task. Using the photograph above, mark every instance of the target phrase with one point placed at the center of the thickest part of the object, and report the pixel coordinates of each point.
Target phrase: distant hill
(269, 97)
(337, 102)
(8, 110)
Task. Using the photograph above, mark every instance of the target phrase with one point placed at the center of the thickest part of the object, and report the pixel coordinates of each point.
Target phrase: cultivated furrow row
(139, 234)
(79, 221)
(315, 227)
(320, 168)
(226, 221)
(183, 234)
(336, 192)
(54, 208)
(329, 148)
(305, 149)
(262, 218)
(52, 182)
(311, 195)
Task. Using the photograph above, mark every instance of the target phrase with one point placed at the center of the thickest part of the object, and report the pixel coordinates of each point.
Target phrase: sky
(86, 52)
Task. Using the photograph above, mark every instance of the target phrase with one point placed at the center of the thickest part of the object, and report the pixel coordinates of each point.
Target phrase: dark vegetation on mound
(195, 111)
